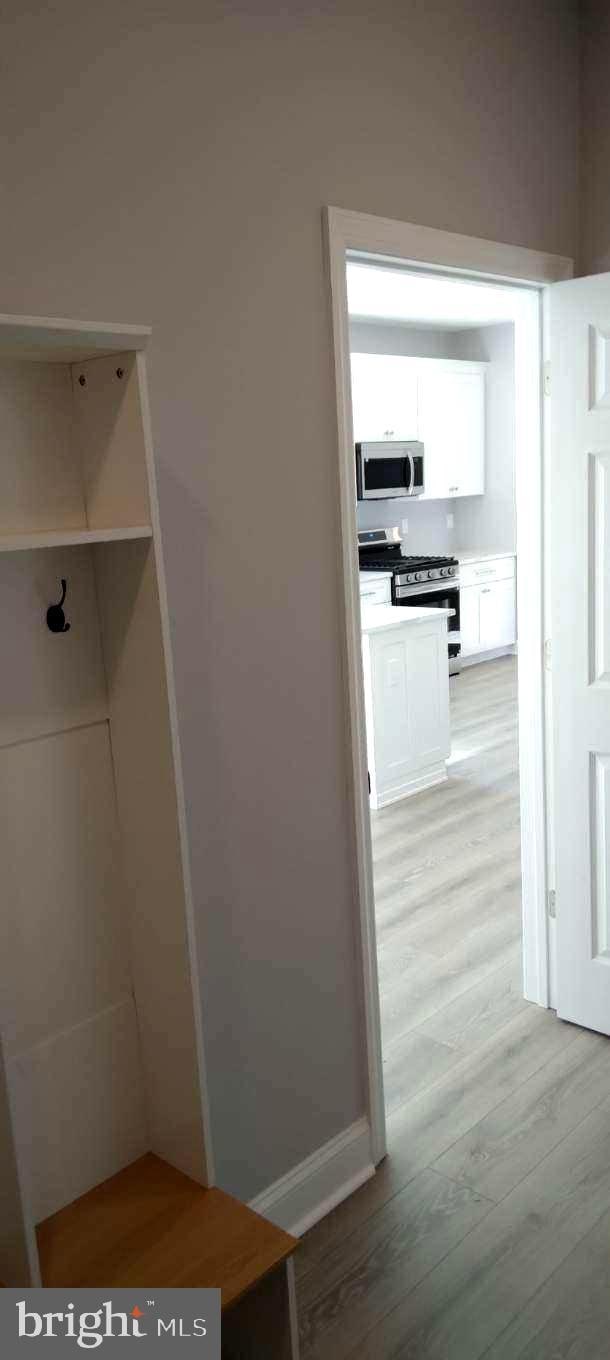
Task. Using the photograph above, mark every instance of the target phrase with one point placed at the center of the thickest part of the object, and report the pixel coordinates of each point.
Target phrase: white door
(579, 315)
(384, 397)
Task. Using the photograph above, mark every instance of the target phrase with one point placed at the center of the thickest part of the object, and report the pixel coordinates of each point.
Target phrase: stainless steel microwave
(389, 468)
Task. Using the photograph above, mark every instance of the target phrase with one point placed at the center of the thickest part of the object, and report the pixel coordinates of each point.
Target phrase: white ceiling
(377, 293)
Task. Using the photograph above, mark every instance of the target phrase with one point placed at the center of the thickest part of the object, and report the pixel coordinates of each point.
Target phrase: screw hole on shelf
(82, 380)
(120, 372)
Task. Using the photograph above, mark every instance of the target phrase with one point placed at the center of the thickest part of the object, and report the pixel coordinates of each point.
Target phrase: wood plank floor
(486, 1231)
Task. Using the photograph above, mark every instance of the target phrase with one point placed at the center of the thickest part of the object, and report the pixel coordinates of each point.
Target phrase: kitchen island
(406, 690)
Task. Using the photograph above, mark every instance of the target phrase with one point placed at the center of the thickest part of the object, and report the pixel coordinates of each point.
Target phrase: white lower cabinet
(406, 677)
(497, 615)
(488, 616)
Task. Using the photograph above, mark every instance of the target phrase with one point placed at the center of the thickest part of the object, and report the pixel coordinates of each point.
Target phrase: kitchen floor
(486, 1231)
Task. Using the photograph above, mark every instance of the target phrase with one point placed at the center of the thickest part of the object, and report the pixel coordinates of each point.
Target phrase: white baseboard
(314, 1187)
(435, 774)
(478, 657)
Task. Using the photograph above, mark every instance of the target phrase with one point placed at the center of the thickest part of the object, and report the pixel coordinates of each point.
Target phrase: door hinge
(546, 378)
(548, 655)
(551, 903)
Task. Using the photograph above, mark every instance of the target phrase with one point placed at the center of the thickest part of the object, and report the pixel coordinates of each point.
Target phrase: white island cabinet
(406, 686)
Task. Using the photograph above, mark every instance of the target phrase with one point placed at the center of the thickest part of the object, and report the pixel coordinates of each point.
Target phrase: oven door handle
(427, 588)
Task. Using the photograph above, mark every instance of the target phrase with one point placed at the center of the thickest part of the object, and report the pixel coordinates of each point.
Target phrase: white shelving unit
(106, 1176)
(101, 1053)
(71, 538)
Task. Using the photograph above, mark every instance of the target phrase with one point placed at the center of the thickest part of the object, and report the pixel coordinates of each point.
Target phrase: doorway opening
(521, 1120)
(433, 390)
(442, 327)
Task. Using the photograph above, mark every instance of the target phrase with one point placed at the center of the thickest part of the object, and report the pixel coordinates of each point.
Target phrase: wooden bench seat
(152, 1226)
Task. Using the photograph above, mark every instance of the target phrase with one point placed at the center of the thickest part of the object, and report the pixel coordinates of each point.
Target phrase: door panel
(579, 314)
(599, 518)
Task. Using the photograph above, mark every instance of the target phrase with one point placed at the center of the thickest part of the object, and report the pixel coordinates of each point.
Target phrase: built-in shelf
(69, 538)
(99, 919)
(150, 1226)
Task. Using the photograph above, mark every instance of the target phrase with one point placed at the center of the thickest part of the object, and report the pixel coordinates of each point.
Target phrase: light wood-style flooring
(486, 1231)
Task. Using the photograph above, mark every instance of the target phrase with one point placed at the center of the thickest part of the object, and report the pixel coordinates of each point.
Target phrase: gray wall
(168, 164)
(595, 136)
(423, 342)
(423, 524)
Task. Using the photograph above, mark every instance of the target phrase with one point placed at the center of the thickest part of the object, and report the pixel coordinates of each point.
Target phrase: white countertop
(376, 617)
(472, 555)
(376, 575)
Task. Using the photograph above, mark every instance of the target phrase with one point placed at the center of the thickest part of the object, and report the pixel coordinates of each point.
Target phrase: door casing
(430, 250)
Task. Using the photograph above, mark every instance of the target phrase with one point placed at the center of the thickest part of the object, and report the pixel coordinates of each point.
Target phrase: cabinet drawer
(376, 592)
(490, 569)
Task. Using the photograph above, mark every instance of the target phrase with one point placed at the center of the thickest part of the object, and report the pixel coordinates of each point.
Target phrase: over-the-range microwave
(388, 468)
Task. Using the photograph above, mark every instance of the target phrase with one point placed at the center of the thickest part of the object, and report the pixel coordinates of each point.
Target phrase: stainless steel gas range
(430, 581)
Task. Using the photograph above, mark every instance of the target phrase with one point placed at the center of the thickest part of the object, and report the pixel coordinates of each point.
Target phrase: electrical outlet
(404, 527)
(450, 520)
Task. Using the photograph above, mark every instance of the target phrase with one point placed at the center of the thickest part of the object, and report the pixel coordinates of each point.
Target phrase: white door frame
(491, 262)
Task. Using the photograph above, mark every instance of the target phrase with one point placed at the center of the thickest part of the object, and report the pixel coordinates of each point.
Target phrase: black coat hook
(56, 619)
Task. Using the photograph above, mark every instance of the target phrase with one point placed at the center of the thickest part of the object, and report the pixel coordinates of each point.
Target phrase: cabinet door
(451, 423)
(497, 615)
(470, 624)
(384, 397)
(428, 693)
(407, 690)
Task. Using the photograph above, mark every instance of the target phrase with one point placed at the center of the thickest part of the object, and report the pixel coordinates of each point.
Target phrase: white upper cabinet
(384, 395)
(440, 401)
(451, 424)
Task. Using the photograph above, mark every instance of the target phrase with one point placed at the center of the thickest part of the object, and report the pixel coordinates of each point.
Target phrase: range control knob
(431, 575)
(445, 571)
(419, 575)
